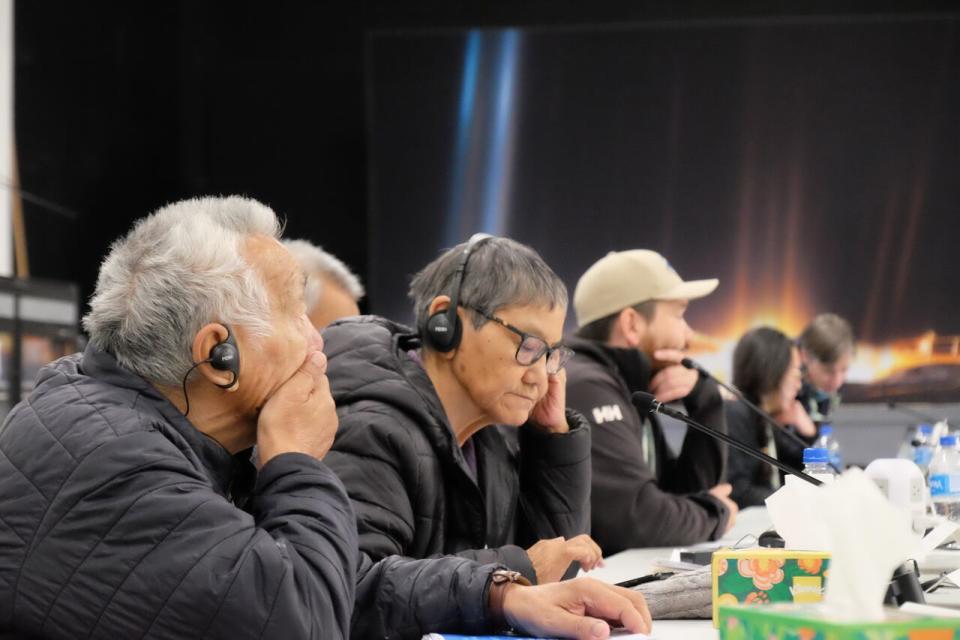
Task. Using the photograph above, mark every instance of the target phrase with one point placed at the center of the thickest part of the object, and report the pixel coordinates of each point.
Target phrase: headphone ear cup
(440, 335)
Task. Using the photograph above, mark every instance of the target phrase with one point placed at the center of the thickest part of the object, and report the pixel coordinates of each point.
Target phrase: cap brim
(691, 290)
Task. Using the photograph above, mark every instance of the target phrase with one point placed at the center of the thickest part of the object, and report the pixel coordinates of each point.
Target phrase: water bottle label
(922, 456)
(944, 485)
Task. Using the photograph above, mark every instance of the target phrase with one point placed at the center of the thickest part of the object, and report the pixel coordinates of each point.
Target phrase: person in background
(131, 507)
(766, 369)
(419, 450)
(826, 349)
(630, 308)
(332, 291)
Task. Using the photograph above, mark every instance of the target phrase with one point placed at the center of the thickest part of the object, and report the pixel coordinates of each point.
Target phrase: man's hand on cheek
(300, 416)
(673, 381)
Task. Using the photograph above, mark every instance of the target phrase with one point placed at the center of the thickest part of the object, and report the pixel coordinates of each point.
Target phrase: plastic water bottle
(940, 429)
(945, 479)
(828, 442)
(908, 446)
(924, 447)
(816, 463)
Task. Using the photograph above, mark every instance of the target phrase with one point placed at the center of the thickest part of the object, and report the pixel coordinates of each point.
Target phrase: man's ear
(207, 338)
(632, 326)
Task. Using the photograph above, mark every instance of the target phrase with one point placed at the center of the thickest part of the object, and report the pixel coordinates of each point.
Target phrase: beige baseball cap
(623, 279)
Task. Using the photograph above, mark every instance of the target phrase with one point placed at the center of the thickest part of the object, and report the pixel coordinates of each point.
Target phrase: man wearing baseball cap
(631, 337)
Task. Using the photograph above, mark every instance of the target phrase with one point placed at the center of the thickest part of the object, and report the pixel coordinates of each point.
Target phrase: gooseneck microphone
(648, 403)
(923, 417)
(766, 417)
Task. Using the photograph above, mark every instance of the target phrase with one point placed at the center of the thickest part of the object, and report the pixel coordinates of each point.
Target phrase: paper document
(937, 536)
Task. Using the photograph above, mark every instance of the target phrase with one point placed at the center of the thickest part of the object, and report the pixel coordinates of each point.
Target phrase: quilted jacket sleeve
(138, 543)
(403, 599)
(555, 472)
(382, 471)
(379, 467)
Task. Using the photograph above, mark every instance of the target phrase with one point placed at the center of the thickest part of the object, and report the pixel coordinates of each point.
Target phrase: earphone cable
(186, 398)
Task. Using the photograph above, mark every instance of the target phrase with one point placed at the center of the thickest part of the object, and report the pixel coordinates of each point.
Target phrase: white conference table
(750, 522)
(639, 562)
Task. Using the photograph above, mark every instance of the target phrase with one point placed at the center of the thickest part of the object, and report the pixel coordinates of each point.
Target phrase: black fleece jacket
(631, 505)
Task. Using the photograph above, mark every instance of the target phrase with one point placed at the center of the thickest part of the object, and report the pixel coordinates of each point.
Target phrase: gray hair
(177, 270)
(500, 272)
(314, 260)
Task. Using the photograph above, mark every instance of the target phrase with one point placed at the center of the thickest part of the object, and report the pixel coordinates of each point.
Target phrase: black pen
(653, 577)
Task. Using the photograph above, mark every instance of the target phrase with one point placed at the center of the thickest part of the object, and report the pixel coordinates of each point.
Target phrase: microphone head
(645, 402)
(689, 364)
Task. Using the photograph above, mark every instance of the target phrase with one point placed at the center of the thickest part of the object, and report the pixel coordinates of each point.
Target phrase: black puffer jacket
(409, 481)
(116, 521)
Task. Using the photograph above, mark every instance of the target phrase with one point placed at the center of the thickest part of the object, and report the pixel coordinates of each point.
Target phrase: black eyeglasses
(532, 347)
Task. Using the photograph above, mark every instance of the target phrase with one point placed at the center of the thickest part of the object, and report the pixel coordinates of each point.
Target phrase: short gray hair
(314, 260)
(500, 272)
(177, 270)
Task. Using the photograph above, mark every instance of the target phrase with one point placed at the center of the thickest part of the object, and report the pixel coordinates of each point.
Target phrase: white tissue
(867, 537)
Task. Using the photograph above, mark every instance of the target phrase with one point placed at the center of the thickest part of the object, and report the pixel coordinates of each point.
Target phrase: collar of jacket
(368, 360)
(220, 465)
(817, 403)
(632, 365)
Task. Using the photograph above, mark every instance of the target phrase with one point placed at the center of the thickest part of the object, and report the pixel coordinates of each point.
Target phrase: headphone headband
(472, 244)
(442, 330)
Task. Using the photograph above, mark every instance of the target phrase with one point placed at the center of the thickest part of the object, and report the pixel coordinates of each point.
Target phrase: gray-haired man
(131, 509)
(332, 291)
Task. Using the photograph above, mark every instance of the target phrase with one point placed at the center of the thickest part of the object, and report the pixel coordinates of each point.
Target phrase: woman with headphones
(419, 450)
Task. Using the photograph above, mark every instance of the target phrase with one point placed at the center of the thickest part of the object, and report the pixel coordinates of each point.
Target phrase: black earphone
(442, 330)
(224, 356)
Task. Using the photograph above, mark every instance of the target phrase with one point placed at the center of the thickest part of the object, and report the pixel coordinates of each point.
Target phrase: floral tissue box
(789, 622)
(760, 576)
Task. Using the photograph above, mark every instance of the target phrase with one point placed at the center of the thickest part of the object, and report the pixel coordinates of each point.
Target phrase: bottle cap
(948, 441)
(826, 429)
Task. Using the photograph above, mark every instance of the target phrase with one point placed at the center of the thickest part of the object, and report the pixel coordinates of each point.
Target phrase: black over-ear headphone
(226, 357)
(442, 330)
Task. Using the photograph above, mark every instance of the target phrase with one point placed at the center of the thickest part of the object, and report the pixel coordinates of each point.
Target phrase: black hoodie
(411, 486)
(633, 505)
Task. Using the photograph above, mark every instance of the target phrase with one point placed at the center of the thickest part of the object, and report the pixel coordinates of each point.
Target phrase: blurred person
(766, 369)
(419, 450)
(826, 350)
(632, 335)
(130, 504)
(332, 290)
